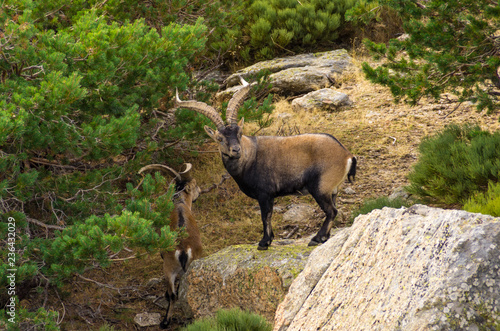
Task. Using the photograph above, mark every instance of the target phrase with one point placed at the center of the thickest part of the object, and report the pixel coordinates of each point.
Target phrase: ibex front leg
(266, 210)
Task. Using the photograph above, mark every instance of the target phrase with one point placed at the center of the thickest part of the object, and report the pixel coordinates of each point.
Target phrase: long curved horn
(236, 102)
(201, 108)
(186, 175)
(161, 167)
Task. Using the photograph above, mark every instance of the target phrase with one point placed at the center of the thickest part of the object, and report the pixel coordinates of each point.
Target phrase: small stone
(147, 319)
(298, 213)
(349, 190)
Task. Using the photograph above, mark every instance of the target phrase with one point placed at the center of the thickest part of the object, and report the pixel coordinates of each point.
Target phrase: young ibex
(269, 167)
(175, 263)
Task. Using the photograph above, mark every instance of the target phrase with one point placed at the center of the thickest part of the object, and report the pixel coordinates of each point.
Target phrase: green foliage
(369, 19)
(141, 202)
(487, 202)
(378, 203)
(231, 320)
(78, 94)
(143, 225)
(456, 163)
(239, 32)
(450, 49)
(224, 18)
(190, 123)
(363, 13)
(40, 319)
(279, 24)
(251, 110)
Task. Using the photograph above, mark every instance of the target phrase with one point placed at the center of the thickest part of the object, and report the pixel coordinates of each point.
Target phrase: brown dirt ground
(383, 135)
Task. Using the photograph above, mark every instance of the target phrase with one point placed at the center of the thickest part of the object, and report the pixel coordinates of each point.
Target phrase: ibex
(265, 167)
(175, 263)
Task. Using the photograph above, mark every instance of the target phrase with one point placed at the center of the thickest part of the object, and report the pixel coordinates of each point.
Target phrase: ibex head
(227, 136)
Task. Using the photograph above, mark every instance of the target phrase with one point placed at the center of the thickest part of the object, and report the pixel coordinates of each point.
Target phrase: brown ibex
(267, 167)
(175, 263)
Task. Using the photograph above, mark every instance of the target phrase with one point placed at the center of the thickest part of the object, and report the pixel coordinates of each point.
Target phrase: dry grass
(383, 135)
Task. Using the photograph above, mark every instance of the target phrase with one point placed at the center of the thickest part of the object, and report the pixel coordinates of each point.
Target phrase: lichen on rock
(419, 268)
(241, 276)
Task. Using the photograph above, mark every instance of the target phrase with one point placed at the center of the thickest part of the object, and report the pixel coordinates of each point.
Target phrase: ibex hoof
(262, 248)
(164, 324)
(313, 243)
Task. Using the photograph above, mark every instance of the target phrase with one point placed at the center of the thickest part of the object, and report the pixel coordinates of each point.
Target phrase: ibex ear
(241, 122)
(210, 132)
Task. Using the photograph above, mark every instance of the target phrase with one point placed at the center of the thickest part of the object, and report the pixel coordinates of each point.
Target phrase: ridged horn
(186, 174)
(236, 102)
(201, 108)
(161, 167)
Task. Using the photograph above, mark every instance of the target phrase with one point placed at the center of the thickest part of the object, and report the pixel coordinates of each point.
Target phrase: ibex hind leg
(171, 297)
(168, 315)
(327, 203)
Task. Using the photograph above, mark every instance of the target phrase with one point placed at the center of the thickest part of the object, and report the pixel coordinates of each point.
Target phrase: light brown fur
(191, 246)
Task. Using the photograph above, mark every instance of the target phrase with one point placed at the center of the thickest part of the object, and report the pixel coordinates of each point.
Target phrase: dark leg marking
(327, 204)
(266, 210)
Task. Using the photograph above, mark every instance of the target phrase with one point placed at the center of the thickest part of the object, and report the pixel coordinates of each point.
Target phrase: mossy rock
(242, 276)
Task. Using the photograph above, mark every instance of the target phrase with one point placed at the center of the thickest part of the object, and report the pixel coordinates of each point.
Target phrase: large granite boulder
(419, 268)
(297, 74)
(241, 276)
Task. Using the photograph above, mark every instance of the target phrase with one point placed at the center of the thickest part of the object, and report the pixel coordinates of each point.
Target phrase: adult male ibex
(175, 263)
(267, 167)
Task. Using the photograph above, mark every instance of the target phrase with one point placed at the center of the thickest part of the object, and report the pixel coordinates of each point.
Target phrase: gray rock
(326, 98)
(349, 190)
(419, 268)
(147, 319)
(399, 193)
(301, 80)
(153, 282)
(298, 213)
(299, 74)
(241, 276)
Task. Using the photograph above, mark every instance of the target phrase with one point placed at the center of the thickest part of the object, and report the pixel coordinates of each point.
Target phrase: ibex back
(267, 167)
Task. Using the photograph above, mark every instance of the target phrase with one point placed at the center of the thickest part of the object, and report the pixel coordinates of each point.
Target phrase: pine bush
(449, 49)
(231, 320)
(280, 24)
(487, 202)
(77, 97)
(456, 163)
(378, 203)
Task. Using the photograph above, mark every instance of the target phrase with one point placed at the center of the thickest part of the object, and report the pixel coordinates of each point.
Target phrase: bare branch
(46, 226)
(214, 186)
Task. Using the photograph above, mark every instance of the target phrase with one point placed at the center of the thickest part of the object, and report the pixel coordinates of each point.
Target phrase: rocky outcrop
(241, 276)
(419, 268)
(326, 98)
(299, 74)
